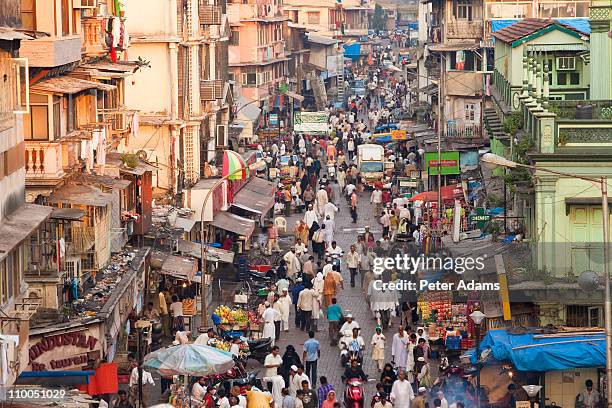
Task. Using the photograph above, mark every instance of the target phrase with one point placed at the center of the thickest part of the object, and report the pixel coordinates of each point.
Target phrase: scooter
(259, 349)
(346, 354)
(354, 393)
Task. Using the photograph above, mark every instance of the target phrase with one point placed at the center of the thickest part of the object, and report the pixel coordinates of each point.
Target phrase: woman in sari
(329, 289)
(330, 400)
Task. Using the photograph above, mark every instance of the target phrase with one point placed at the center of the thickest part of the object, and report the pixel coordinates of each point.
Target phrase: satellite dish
(588, 281)
(142, 155)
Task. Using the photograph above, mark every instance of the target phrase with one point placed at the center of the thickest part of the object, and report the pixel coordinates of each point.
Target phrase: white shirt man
(349, 325)
(271, 363)
(334, 250)
(310, 217)
(376, 197)
(293, 263)
(401, 392)
(330, 210)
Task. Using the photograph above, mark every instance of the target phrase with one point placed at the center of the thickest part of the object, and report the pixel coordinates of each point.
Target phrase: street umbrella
(234, 167)
(189, 359)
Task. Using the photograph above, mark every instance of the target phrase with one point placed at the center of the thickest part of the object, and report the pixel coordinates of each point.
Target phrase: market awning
(458, 46)
(256, 196)
(69, 85)
(540, 351)
(54, 378)
(81, 194)
(233, 223)
(429, 89)
(186, 223)
(180, 267)
(212, 254)
(295, 96)
(449, 193)
(67, 214)
(17, 226)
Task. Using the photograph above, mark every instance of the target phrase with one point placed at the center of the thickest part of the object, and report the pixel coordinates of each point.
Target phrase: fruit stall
(234, 322)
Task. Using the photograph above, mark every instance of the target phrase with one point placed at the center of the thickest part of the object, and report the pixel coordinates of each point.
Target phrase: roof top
(81, 194)
(529, 26)
(69, 85)
(319, 39)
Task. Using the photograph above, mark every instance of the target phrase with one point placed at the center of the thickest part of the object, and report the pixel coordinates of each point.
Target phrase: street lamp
(477, 317)
(204, 312)
(532, 391)
(602, 184)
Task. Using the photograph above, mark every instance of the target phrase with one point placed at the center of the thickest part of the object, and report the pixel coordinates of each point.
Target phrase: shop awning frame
(212, 254)
(257, 196)
(233, 223)
(179, 267)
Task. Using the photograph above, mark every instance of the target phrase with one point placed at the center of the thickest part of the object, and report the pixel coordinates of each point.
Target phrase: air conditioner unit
(84, 4)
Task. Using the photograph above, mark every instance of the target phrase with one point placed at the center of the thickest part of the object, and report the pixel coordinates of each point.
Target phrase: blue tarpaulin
(352, 51)
(535, 352)
(580, 24)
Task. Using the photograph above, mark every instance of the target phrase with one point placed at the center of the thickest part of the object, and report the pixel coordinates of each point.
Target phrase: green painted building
(556, 80)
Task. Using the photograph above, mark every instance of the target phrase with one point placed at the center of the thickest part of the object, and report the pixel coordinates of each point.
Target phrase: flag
(233, 163)
(460, 60)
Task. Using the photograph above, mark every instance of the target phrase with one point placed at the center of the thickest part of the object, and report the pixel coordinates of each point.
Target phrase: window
(574, 78)
(4, 285)
(464, 10)
(566, 64)
(66, 9)
(561, 78)
(249, 79)
(28, 14)
(313, 17)
(231, 76)
(235, 37)
(36, 123)
(469, 112)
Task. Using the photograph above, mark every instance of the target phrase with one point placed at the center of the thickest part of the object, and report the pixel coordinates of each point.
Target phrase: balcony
(49, 52)
(92, 36)
(211, 89)
(118, 119)
(464, 30)
(43, 161)
(245, 12)
(210, 15)
(82, 240)
(582, 110)
(463, 83)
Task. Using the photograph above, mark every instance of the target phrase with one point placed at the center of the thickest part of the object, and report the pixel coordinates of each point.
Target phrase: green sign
(448, 165)
(481, 218)
(283, 88)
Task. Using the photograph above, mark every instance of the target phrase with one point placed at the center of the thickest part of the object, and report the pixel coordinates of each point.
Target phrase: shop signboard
(480, 218)
(273, 119)
(449, 163)
(311, 122)
(64, 350)
(398, 134)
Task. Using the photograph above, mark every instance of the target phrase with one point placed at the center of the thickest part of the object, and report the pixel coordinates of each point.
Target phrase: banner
(448, 165)
(310, 122)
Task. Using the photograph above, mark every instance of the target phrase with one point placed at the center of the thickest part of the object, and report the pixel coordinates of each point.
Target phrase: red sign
(443, 163)
(50, 343)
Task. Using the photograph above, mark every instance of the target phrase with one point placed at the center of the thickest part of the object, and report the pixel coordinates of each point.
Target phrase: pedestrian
(311, 354)
(176, 307)
(334, 315)
(388, 377)
(376, 199)
(589, 397)
(310, 396)
(442, 398)
(420, 400)
(424, 378)
(378, 348)
(298, 378)
(317, 287)
(147, 379)
(269, 316)
(288, 399)
(366, 265)
(278, 318)
(328, 230)
(290, 358)
(295, 294)
(323, 390)
(122, 400)
(198, 390)
(293, 263)
(385, 221)
(353, 261)
(302, 232)
(305, 306)
(329, 289)
(284, 305)
(163, 310)
(318, 241)
(272, 239)
(299, 399)
(401, 392)
(383, 402)
(309, 196)
(272, 363)
(399, 348)
(354, 207)
(287, 198)
(330, 401)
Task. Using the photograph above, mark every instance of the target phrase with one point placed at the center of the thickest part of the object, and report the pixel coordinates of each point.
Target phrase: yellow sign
(398, 134)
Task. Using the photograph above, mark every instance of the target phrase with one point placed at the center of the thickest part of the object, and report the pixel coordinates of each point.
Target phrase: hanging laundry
(116, 31)
(83, 154)
(135, 124)
(101, 152)
(460, 60)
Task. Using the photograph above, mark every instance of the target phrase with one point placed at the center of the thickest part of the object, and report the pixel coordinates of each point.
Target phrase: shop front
(255, 198)
(233, 231)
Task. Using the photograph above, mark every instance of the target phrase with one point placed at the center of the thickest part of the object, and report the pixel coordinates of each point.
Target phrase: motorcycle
(236, 372)
(259, 349)
(354, 393)
(335, 259)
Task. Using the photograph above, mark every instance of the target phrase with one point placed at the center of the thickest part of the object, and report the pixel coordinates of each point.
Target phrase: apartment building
(18, 220)
(455, 60)
(183, 127)
(330, 18)
(257, 51)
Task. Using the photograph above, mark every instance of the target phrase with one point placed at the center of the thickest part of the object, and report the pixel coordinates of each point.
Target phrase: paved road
(351, 299)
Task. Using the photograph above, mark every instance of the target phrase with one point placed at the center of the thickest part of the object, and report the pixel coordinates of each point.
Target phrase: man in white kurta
(401, 391)
(293, 263)
(399, 348)
(322, 199)
(330, 210)
(310, 216)
(284, 305)
(278, 383)
(269, 316)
